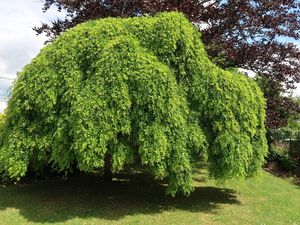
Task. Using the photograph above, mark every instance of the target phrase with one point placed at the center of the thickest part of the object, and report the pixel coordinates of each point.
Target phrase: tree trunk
(107, 169)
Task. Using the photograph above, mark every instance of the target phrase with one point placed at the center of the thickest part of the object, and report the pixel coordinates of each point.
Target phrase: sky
(19, 44)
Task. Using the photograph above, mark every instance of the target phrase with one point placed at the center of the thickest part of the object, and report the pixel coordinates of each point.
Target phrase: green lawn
(136, 200)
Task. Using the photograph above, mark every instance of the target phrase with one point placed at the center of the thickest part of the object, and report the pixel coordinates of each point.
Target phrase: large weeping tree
(133, 91)
(236, 33)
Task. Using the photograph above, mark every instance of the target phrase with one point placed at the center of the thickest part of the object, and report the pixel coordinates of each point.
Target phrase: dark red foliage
(280, 108)
(239, 33)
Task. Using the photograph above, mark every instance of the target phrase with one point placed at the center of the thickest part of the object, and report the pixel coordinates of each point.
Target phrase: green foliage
(2, 117)
(138, 89)
(285, 145)
(283, 157)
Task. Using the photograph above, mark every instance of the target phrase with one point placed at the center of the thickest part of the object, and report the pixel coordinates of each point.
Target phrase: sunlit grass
(137, 199)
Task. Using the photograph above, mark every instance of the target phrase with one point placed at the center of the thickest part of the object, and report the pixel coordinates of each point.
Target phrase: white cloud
(18, 40)
(296, 92)
(249, 73)
(3, 105)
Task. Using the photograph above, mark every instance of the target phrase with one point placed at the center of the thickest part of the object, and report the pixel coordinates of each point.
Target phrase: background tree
(133, 91)
(238, 33)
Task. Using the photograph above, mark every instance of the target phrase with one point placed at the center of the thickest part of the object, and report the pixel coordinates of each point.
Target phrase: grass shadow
(88, 196)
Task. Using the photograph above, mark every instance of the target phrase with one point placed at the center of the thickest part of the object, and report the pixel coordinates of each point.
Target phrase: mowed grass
(137, 199)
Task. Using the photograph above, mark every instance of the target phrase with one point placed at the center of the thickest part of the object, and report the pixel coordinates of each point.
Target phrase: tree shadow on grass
(88, 196)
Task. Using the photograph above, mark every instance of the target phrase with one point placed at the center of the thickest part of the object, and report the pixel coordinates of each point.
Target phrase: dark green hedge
(138, 89)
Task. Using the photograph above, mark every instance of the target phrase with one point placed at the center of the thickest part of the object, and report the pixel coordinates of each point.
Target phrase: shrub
(281, 155)
(136, 90)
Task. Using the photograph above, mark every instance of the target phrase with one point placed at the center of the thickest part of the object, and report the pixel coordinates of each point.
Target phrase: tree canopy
(245, 34)
(141, 90)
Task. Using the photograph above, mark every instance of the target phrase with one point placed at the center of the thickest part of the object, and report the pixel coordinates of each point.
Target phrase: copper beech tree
(237, 33)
